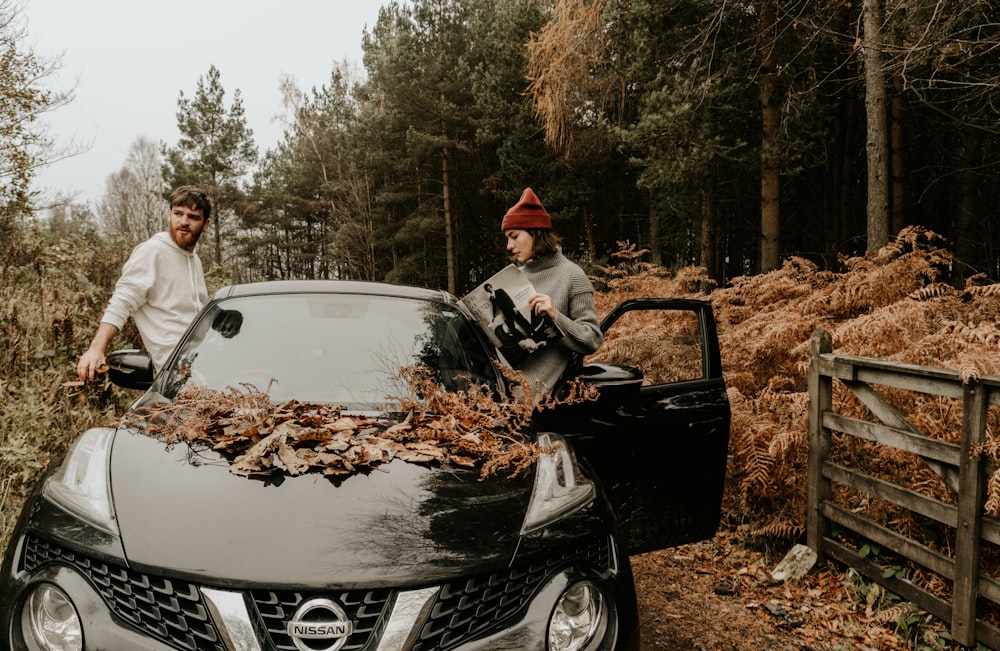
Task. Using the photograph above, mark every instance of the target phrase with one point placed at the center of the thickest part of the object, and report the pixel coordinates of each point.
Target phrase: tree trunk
(968, 235)
(845, 213)
(217, 222)
(655, 246)
(876, 144)
(770, 179)
(370, 228)
(588, 225)
(897, 156)
(707, 252)
(898, 160)
(449, 235)
(837, 187)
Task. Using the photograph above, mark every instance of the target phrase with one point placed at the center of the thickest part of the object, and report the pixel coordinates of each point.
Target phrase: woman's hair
(545, 242)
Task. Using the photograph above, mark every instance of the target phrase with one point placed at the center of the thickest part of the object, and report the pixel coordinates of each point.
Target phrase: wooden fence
(957, 464)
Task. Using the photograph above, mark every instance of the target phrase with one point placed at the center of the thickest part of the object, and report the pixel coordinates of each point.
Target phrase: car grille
(366, 610)
(168, 610)
(173, 611)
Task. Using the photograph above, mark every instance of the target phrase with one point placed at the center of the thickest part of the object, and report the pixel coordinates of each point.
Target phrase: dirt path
(717, 596)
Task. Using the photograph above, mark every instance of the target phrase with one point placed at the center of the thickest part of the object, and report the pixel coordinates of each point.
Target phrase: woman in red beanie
(564, 291)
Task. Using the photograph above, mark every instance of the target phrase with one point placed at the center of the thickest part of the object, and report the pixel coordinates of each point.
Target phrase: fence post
(972, 484)
(820, 401)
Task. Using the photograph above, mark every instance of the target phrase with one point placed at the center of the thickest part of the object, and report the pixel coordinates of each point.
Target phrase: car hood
(180, 510)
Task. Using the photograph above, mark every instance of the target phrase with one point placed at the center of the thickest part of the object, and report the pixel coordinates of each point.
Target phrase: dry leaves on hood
(261, 438)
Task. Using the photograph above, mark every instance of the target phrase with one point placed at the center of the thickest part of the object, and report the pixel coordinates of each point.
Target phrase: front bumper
(123, 609)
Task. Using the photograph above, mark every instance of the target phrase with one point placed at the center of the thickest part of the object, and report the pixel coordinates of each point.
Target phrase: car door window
(666, 345)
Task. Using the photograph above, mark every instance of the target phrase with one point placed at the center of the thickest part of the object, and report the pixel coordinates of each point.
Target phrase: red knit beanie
(526, 214)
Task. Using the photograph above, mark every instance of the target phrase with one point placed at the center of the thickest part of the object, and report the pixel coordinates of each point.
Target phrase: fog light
(578, 618)
(49, 621)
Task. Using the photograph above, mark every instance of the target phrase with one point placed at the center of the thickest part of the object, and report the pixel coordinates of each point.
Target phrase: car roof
(334, 287)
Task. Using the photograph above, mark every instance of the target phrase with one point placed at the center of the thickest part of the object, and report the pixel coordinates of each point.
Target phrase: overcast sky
(130, 59)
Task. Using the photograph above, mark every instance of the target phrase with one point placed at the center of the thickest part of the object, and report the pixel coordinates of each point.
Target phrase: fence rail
(958, 465)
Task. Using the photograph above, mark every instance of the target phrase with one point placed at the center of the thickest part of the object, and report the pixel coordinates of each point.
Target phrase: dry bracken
(890, 305)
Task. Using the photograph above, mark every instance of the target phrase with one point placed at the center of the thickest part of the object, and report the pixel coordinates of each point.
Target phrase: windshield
(343, 349)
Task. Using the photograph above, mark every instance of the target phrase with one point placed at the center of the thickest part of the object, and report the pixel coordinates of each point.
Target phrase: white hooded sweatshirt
(162, 287)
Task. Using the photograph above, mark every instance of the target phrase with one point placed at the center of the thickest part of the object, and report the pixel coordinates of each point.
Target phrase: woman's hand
(540, 303)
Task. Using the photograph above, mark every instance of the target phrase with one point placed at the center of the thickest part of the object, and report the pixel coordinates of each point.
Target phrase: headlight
(49, 621)
(579, 617)
(560, 488)
(81, 484)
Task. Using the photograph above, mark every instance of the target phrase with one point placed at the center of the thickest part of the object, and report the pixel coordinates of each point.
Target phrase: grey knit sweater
(573, 297)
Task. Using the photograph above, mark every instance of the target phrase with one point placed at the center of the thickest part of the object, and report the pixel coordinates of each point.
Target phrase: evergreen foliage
(215, 151)
(729, 136)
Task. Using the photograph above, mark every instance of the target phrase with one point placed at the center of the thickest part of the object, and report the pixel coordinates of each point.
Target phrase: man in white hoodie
(162, 285)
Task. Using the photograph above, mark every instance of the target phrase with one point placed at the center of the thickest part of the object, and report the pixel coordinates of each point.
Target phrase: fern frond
(969, 371)
(783, 530)
(992, 506)
(933, 290)
(981, 291)
(892, 614)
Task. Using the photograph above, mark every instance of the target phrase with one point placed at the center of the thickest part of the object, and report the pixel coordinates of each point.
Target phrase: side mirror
(613, 381)
(615, 385)
(131, 369)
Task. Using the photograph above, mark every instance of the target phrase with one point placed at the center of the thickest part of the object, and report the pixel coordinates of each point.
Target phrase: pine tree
(215, 150)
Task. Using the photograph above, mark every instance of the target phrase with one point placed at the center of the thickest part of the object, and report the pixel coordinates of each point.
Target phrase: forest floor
(717, 595)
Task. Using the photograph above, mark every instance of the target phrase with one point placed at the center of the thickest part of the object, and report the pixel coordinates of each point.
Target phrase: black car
(133, 543)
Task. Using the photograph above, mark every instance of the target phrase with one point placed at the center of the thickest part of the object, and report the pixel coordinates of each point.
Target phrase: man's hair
(545, 242)
(193, 197)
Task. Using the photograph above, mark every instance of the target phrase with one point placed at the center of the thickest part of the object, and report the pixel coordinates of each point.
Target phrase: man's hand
(91, 363)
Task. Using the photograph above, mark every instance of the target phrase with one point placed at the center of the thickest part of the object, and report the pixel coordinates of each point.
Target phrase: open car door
(658, 436)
